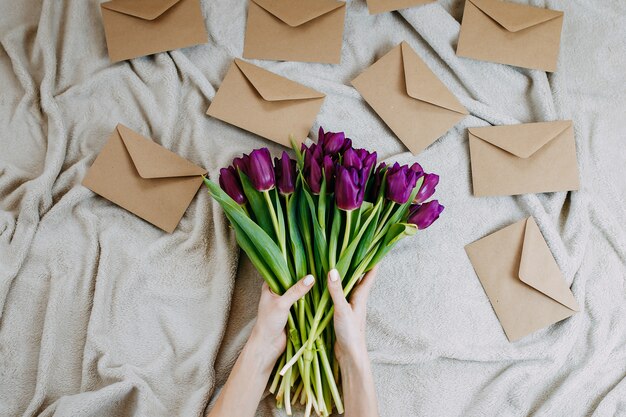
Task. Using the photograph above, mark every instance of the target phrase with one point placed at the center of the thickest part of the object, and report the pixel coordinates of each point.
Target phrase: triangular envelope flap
(154, 161)
(521, 140)
(296, 12)
(273, 87)
(143, 9)
(515, 17)
(539, 269)
(422, 84)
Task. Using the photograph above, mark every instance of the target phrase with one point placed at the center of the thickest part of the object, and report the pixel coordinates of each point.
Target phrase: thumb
(336, 291)
(358, 298)
(298, 290)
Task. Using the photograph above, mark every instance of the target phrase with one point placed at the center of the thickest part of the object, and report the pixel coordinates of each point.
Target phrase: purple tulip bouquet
(332, 207)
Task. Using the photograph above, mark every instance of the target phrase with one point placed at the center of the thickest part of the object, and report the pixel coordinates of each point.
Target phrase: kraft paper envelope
(136, 28)
(510, 33)
(522, 159)
(409, 98)
(380, 6)
(144, 178)
(295, 30)
(265, 103)
(521, 279)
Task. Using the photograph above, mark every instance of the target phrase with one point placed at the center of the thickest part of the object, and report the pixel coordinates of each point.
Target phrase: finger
(336, 291)
(266, 292)
(298, 290)
(361, 292)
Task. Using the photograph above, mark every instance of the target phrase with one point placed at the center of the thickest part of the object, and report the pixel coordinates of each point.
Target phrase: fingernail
(308, 280)
(334, 275)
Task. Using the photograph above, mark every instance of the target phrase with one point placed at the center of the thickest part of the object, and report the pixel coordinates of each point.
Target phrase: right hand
(269, 330)
(350, 317)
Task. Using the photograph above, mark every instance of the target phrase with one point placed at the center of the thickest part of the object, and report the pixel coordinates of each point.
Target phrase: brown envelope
(264, 103)
(409, 98)
(380, 6)
(521, 279)
(136, 28)
(144, 178)
(525, 158)
(288, 30)
(510, 33)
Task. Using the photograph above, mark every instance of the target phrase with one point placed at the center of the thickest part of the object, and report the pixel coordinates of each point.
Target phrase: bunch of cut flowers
(331, 207)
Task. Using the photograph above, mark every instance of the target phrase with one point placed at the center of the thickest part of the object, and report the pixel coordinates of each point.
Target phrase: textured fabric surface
(103, 314)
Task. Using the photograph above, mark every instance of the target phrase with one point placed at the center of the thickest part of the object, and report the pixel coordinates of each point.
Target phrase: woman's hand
(269, 330)
(246, 383)
(350, 348)
(350, 316)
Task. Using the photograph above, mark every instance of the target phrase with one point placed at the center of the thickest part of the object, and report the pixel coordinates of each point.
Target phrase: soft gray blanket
(104, 315)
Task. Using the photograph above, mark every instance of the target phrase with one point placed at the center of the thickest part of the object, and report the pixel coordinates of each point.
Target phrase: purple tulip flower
(329, 173)
(261, 170)
(377, 182)
(349, 188)
(285, 172)
(360, 159)
(332, 143)
(313, 160)
(417, 168)
(423, 215)
(427, 188)
(230, 183)
(323, 157)
(400, 183)
(368, 158)
(242, 163)
(351, 159)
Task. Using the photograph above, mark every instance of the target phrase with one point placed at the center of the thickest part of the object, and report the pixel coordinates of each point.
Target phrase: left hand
(269, 329)
(349, 317)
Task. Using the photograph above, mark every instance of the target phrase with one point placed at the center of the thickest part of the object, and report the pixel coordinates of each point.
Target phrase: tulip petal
(261, 170)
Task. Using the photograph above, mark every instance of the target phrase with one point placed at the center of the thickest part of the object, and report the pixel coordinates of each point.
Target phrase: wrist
(260, 353)
(352, 357)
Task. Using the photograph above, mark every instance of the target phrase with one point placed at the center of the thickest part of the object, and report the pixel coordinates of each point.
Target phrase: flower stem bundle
(330, 208)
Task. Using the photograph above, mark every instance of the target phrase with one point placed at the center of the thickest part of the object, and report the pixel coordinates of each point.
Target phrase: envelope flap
(521, 140)
(273, 87)
(298, 12)
(422, 84)
(154, 161)
(539, 269)
(515, 17)
(143, 9)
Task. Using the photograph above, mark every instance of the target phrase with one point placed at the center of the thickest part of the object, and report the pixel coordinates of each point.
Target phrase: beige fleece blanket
(104, 315)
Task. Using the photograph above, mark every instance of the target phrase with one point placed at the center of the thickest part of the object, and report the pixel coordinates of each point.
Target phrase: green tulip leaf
(319, 236)
(394, 234)
(265, 245)
(297, 249)
(334, 236)
(346, 258)
(258, 206)
(257, 261)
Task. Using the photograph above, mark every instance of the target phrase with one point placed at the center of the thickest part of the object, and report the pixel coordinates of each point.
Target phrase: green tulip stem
(306, 377)
(333, 238)
(317, 331)
(346, 232)
(317, 375)
(314, 293)
(382, 222)
(301, 318)
(279, 235)
(328, 372)
(309, 352)
(274, 383)
(287, 380)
